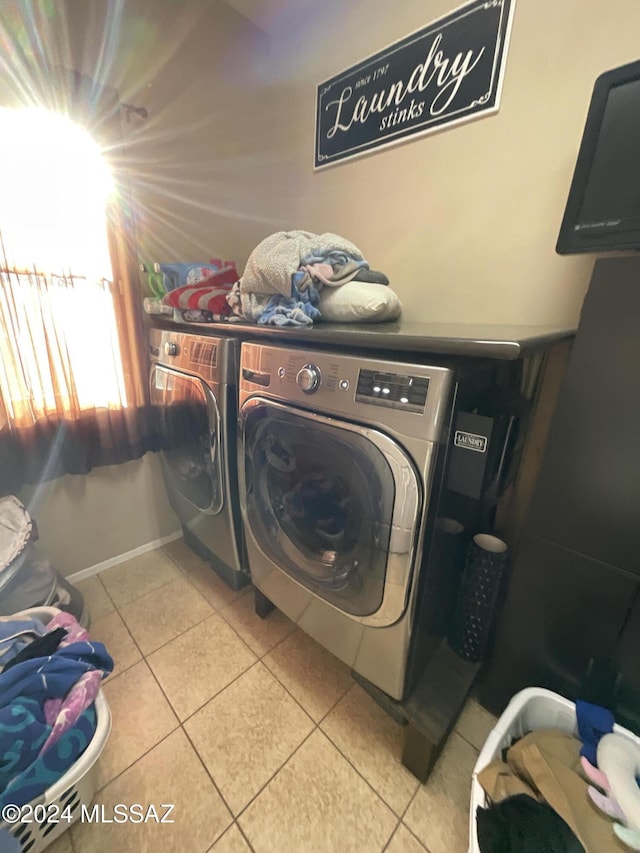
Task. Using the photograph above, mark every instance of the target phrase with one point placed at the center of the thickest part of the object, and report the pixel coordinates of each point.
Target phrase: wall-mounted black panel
(588, 495)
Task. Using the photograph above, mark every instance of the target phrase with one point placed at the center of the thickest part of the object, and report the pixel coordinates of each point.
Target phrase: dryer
(193, 389)
(359, 493)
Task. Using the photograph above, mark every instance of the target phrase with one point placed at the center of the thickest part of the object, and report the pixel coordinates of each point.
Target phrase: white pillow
(359, 302)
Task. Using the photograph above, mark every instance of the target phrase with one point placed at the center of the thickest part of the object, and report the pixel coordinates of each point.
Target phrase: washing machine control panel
(408, 398)
(392, 390)
(309, 378)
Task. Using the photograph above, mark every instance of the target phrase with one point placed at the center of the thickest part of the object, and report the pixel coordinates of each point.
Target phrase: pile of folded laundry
(50, 676)
(551, 791)
(292, 278)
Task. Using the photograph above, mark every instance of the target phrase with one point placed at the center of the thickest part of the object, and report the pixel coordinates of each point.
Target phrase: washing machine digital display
(392, 390)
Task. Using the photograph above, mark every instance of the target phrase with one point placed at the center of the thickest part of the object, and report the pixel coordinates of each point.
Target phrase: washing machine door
(334, 505)
(190, 440)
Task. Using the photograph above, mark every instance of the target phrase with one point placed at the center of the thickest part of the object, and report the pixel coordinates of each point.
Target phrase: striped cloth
(208, 295)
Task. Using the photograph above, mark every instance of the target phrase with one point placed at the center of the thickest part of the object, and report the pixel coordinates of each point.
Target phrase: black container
(478, 598)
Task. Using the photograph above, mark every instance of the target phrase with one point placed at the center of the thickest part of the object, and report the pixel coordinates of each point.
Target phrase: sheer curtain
(73, 388)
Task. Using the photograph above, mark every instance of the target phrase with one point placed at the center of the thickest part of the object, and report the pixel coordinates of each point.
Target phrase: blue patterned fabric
(288, 311)
(31, 758)
(52, 764)
(52, 677)
(23, 732)
(332, 257)
(297, 310)
(311, 293)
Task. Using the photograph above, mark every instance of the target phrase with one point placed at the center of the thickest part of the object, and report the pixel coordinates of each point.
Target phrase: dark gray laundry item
(371, 276)
(521, 824)
(40, 648)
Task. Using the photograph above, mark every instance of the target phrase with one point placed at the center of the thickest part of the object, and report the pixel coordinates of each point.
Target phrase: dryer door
(190, 437)
(334, 505)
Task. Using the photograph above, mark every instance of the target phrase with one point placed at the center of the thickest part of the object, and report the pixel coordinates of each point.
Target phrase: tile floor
(257, 735)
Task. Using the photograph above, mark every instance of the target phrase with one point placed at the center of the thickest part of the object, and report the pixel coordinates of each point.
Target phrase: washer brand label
(470, 441)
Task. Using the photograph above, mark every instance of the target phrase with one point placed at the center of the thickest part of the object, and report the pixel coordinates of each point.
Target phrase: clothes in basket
(47, 712)
(536, 753)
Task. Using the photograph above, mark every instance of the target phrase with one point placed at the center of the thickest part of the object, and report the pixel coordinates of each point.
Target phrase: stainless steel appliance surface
(193, 386)
(340, 466)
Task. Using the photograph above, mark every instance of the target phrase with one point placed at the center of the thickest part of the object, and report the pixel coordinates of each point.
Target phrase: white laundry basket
(531, 709)
(77, 787)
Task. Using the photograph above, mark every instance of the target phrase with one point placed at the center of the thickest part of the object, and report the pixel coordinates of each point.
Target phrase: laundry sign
(470, 441)
(446, 73)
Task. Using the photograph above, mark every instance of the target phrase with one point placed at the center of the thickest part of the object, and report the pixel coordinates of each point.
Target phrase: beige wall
(84, 520)
(195, 163)
(464, 221)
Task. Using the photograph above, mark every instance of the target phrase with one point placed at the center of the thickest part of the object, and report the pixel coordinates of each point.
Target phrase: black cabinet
(588, 496)
(572, 605)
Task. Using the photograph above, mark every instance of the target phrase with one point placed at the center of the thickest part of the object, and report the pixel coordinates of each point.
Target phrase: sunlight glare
(55, 186)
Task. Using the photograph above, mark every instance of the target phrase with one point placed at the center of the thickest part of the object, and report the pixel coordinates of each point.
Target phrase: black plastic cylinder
(478, 597)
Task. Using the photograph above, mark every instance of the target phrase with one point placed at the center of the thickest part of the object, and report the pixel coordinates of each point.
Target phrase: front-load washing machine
(351, 527)
(193, 387)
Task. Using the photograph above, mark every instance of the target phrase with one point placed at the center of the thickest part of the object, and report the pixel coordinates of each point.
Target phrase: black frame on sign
(418, 50)
(570, 240)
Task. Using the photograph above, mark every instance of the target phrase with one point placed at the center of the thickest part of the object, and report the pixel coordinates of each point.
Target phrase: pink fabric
(61, 714)
(607, 805)
(321, 272)
(594, 775)
(75, 632)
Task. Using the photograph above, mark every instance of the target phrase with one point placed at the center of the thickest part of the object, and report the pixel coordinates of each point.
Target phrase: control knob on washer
(171, 348)
(308, 378)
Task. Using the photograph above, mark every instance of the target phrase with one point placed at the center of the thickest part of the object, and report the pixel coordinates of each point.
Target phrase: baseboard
(83, 574)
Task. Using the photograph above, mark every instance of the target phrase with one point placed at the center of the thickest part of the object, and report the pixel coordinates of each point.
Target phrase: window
(59, 342)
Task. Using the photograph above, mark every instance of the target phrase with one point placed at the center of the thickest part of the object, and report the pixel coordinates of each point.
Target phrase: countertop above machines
(507, 342)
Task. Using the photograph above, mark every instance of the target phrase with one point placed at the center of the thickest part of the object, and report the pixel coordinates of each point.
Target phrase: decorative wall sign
(446, 73)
